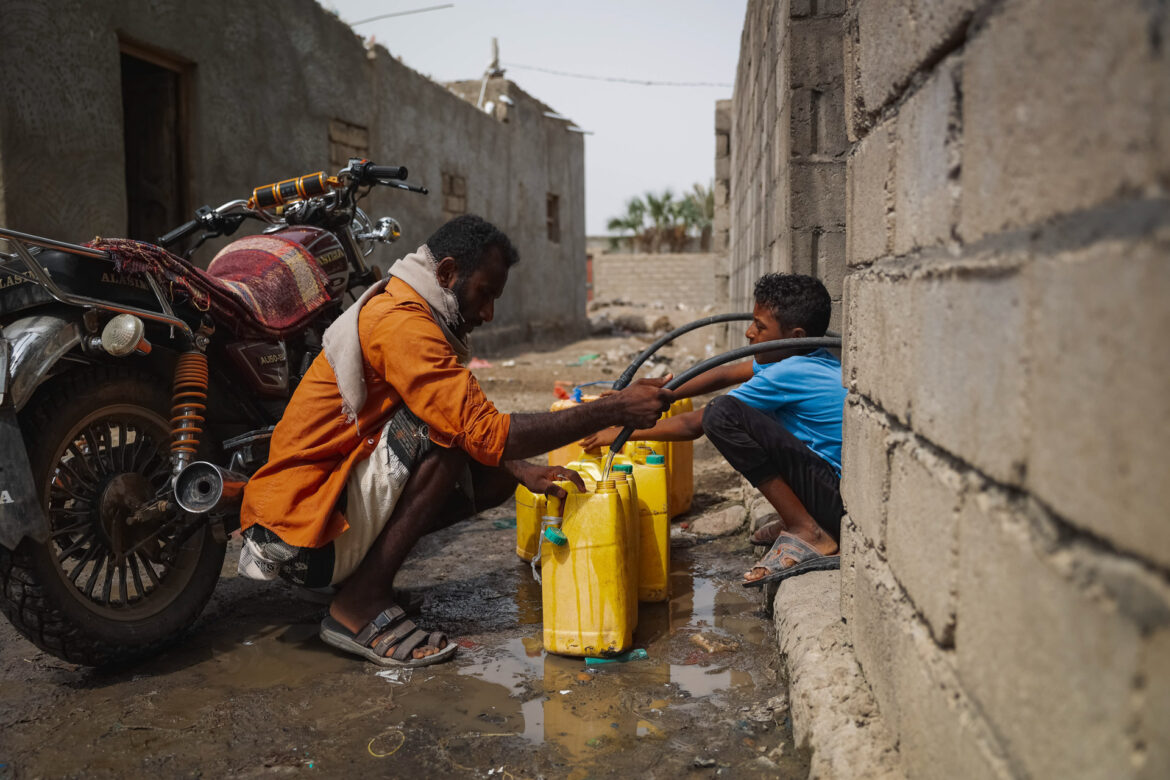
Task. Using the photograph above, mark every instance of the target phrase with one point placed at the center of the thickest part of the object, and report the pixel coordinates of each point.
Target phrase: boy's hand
(643, 402)
(600, 439)
(543, 479)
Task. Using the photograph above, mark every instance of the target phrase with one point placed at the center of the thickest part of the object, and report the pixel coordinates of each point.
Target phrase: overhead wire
(618, 79)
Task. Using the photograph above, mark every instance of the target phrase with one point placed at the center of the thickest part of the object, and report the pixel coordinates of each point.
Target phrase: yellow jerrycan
(585, 593)
(529, 509)
(680, 464)
(623, 479)
(654, 529)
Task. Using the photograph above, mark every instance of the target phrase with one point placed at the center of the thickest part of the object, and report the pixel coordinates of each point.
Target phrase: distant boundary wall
(670, 279)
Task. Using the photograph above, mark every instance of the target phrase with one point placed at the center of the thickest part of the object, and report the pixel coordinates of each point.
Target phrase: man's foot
(791, 555)
(765, 535)
(388, 640)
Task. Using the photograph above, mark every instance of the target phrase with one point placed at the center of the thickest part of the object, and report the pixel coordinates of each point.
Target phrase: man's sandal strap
(407, 646)
(394, 636)
(383, 620)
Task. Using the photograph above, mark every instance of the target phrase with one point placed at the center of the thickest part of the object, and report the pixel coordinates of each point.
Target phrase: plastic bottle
(585, 592)
(654, 521)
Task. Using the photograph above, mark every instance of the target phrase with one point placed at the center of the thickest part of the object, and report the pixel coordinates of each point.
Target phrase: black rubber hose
(628, 375)
(829, 342)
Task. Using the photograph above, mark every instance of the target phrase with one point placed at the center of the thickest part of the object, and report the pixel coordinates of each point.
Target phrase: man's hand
(543, 479)
(643, 402)
(600, 439)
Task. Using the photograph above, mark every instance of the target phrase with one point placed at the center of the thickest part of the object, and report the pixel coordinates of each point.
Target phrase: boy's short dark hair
(469, 239)
(796, 301)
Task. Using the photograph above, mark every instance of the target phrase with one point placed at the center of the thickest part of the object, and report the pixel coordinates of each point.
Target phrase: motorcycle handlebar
(374, 173)
(179, 233)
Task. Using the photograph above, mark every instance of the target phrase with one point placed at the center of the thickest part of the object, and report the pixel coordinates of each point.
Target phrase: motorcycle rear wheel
(107, 587)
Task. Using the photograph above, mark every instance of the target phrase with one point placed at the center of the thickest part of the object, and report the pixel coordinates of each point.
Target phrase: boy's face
(765, 327)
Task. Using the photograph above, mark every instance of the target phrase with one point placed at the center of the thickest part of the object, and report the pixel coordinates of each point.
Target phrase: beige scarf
(342, 345)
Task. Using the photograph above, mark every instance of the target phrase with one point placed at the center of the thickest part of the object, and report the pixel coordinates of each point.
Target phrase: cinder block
(922, 534)
(865, 469)
(817, 58)
(927, 164)
(896, 36)
(818, 194)
(831, 262)
(1058, 111)
(869, 200)
(722, 145)
(1050, 663)
(818, 121)
(1155, 706)
(851, 546)
(968, 381)
(723, 116)
(940, 733)
(882, 341)
(1098, 398)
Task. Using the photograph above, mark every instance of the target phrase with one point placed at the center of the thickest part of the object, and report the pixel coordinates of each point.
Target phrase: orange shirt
(407, 360)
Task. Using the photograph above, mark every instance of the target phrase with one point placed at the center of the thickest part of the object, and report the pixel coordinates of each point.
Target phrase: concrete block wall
(788, 148)
(669, 279)
(1006, 554)
(268, 79)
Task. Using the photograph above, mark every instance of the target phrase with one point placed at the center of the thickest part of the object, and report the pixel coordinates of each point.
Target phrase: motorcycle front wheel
(113, 583)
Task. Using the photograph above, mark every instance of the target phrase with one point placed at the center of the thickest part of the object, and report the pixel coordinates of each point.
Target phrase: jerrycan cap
(623, 468)
(655, 460)
(556, 536)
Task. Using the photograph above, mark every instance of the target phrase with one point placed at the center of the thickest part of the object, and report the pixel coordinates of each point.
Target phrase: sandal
(801, 555)
(765, 535)
(388, 640)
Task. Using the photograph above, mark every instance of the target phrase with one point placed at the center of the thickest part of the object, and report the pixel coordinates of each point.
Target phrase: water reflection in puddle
(587, 711)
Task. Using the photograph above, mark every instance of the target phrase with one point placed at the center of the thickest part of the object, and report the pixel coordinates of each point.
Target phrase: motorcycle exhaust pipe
(205, 488)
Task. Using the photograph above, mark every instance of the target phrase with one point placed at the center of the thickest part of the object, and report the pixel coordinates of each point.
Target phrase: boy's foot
(389, 640)
(791, 555)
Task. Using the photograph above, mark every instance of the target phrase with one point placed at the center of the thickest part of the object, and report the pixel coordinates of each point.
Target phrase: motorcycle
(139, 392)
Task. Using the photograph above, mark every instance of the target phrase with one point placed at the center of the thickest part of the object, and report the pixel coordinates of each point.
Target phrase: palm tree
(659, 208)
(632, 221)
(703, 199)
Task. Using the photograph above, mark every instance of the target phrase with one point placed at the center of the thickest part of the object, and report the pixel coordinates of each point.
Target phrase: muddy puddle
(253, 692)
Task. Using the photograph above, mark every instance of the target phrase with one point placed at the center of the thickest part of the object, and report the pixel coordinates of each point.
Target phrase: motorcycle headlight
(122, 335)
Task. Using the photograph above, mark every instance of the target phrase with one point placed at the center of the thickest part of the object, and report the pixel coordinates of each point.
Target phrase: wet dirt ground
(251, 691)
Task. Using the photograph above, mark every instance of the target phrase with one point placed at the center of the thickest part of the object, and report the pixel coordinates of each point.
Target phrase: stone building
(982, 185)
(121, 117)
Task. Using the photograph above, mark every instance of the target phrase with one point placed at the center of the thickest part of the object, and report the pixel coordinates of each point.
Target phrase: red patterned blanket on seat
(259, 285)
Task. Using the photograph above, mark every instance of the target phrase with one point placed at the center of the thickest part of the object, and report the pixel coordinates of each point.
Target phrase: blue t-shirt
(804, 394)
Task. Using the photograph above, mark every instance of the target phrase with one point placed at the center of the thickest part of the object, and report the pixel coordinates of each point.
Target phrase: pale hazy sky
(644, 138)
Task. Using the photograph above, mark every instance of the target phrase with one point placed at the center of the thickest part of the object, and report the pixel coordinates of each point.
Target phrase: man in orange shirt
(388, 437)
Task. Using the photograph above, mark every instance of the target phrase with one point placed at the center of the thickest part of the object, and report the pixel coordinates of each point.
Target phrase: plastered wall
(267, 79)
(1006, 554)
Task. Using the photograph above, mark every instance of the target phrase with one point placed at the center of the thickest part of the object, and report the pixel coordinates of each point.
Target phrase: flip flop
(389, 629)
(803, 556)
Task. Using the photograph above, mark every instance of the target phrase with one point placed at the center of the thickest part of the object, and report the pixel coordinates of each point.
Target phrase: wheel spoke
(79, 544)
(146, 564)
(122, 582)
(89, 556)
(86, 485)
(94, 449)
(78, 457)
(108, 584)
(70, 529)
(133, 561)
(98, 562)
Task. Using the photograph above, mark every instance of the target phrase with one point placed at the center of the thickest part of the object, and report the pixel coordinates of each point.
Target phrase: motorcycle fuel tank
(324, 247)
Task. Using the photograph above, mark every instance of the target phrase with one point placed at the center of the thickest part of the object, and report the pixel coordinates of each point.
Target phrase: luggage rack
(21, 243)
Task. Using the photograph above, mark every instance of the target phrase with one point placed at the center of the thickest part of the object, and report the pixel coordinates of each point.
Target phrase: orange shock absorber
(188, 403)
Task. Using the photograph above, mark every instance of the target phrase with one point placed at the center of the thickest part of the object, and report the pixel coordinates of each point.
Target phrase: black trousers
(760, 448)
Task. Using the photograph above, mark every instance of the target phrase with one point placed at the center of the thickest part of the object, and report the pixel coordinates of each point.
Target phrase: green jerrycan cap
(556, 536)
(655, 460)
(624, 468)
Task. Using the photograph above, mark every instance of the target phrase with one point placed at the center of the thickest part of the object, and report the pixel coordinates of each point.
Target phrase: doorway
(154, 118)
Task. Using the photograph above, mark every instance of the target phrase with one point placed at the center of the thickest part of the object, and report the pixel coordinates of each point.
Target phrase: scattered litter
(703, 762)
(479, 363)
(593, 742)
(584, 677)
(647, 729)
(508, 363)
(393, 740)
(506, 523)
(248, 643)
(637, 654)
(567, 690)
(398, 675)
(467, 644)
(712, 644)
(585, 359)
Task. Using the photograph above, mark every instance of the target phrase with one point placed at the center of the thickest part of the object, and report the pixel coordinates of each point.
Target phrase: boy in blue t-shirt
(781, 428)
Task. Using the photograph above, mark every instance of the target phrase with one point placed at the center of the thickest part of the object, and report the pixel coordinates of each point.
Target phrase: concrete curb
(834, 712)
